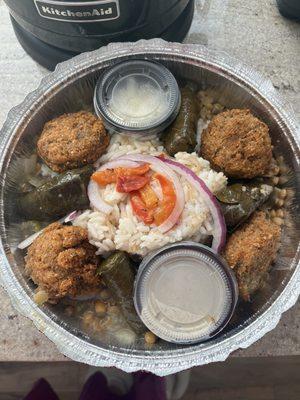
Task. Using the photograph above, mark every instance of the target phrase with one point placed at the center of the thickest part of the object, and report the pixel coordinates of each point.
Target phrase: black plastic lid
(185, 293)
(137, 96)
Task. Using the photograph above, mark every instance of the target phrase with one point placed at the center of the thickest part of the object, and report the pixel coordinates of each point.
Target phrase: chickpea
(283, 180)
(282, 194)
(279, 202)
(150, 338)
(99, 325)
(284, 169)
(40, 297)
(275, 170)
(125, 336)
(279, 159)
(100, 308)
(280, 213)
(88, 318)
(278, 221)
(105, 294)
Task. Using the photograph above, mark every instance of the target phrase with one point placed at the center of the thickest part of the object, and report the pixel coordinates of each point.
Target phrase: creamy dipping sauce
(185, 294)
(138, 97)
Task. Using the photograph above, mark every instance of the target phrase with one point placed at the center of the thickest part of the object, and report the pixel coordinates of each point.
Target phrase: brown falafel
(62, 262)
(237, 143)
(250, 252)
(72, 141)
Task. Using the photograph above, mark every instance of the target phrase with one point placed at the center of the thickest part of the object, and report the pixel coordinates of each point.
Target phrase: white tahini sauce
(185, 296)
(138, 97)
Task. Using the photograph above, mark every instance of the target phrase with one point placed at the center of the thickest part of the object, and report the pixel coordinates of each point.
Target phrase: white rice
(122, 144)
(123, 231)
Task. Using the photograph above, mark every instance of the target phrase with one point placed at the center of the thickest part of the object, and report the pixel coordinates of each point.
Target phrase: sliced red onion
(96, 200)
(28, 241)
(160, 167)
(219, 234)
(70, 217)
(156, 187)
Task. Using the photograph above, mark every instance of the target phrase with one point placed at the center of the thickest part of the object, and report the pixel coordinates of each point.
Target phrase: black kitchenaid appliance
(289, 9)
(52, 31)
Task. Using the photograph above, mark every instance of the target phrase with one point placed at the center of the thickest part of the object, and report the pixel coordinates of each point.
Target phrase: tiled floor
(236, 379)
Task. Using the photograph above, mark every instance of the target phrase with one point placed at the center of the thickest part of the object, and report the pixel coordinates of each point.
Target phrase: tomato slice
(141, 170)
(105, 177)
(168, 202)
(130, 183)
(140, 209)
(148, 196)
(146, 205)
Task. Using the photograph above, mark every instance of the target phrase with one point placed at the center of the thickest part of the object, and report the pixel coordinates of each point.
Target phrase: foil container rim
(164, 362)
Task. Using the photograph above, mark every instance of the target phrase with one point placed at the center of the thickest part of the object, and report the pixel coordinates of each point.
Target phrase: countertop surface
(252, 31)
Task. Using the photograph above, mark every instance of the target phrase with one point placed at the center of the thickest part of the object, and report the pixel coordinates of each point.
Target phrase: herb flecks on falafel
(72, 141)
(62, 262)
(238, 144)
(250, 251)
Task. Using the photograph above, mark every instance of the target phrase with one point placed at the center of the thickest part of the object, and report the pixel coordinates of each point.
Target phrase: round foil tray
(67, 89)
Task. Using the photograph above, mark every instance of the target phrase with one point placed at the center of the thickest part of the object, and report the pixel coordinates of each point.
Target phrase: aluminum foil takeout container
(70, 88)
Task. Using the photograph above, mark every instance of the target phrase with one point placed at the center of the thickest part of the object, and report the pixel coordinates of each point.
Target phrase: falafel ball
(62, 262)
(250, 252)
(72, 141)
(237, 143)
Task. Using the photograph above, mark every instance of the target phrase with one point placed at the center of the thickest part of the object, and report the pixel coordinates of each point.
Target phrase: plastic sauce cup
(137, 97)
(185, 293)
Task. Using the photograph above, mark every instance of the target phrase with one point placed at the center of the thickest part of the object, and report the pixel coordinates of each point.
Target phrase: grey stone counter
(250, 30)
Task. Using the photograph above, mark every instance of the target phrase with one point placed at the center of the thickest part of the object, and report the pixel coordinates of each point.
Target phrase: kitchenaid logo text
(78, 12)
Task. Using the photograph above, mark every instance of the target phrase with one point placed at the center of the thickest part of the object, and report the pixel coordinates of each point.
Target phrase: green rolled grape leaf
(181, 135)
(239, 201)
(57, 196)
(119, 275)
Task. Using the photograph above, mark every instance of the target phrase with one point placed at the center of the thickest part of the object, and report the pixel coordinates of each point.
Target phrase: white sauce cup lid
(137, 96)
(185, 293)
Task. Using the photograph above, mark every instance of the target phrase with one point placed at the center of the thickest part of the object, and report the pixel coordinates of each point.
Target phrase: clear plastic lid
(137, 96)
(185, 293)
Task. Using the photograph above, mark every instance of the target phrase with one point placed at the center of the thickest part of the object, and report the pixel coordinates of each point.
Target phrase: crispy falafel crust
(237, 143)
(72, 141)
(62, 262)
(250, 252)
